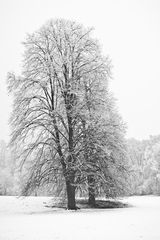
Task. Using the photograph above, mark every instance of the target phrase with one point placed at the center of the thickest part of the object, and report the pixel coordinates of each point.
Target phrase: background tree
(104, 148)
(6, 170)
(144, 159)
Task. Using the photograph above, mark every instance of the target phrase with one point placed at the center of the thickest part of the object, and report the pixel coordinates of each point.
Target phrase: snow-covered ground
(29, 219)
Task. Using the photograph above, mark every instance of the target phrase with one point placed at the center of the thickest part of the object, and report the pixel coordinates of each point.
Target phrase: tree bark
(91, 191)
(70, 175)
(71, 205)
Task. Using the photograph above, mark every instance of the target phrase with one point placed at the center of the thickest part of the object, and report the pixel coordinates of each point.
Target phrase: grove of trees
(66, 131)
(68, 138)
(6, 170)
(144, 162)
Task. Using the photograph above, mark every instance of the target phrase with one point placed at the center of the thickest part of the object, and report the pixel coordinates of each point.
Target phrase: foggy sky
(129, 32)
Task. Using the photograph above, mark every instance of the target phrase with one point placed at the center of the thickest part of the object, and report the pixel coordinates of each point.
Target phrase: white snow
(29, 219)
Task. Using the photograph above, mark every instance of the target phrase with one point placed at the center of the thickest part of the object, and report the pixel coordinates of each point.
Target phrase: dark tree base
(92, 200)
(75, 208)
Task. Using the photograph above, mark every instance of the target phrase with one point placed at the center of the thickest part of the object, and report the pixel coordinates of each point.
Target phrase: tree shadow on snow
(102, 204)
(83, 204)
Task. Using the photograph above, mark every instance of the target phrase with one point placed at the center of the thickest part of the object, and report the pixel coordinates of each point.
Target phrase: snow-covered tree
(48, 99)
(144, 162)
(103, 159)
(6, 170)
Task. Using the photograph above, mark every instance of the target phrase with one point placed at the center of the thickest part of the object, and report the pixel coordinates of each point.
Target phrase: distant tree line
(6, 170)
(144, 162)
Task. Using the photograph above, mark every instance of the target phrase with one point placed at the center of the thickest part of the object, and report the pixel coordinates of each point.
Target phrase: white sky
(129, 31)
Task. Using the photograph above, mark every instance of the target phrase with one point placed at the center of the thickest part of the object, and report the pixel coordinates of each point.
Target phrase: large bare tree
(61, 61)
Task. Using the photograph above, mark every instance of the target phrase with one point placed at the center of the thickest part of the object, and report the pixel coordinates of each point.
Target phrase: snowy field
(29, 219)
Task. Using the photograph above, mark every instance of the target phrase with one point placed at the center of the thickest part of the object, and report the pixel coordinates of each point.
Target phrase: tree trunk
(91, 199)
(91, 191)
(70, 175)
(71, 205)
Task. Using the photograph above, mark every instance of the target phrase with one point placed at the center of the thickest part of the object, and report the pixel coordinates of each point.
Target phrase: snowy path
(29, 219)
